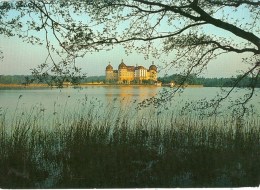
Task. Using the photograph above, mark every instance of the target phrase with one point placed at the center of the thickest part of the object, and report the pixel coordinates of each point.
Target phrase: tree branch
(233, 3)
(175, 9)
(209, 19)
(227, 48)
(228, 27)
(117, 41)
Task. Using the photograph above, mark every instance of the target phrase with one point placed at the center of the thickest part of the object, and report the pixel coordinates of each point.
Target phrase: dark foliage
(91, 155)
(208, 82)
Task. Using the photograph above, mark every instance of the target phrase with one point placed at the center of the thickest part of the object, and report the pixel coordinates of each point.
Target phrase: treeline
(27, 79)
(13, 79)
(94, 79)
(176, 78)
(210, 82)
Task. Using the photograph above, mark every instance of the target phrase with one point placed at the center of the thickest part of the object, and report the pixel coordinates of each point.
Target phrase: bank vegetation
(88, 150)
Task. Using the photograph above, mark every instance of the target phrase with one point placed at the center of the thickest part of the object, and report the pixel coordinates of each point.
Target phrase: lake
(49, 103)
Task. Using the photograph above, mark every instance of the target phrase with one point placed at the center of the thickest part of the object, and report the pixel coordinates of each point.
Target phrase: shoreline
(86, 85)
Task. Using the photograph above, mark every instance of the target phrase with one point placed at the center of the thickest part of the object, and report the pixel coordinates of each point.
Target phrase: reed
(90, 150)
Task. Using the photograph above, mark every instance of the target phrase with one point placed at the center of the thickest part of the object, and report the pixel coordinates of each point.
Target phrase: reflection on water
(50, 97)
(128, 96)
(130, 92)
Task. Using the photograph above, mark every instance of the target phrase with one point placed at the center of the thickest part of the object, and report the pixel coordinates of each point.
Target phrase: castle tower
(122, 72)
(153, 72)
(109, 72)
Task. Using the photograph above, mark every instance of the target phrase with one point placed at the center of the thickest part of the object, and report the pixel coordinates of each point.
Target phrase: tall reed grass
(116, 149)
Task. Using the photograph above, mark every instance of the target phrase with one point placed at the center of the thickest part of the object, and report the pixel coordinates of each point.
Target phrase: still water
(103, 98)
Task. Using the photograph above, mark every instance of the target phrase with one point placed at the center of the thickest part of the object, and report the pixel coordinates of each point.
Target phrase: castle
(131, 74)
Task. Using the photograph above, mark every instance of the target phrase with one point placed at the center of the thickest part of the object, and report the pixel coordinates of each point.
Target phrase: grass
(86, 150)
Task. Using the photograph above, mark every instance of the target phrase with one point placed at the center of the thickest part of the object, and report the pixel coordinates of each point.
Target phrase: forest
(176, 78)
(209, 82)
(28, 79)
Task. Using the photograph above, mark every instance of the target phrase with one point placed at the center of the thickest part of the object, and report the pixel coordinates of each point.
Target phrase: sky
(21, 57)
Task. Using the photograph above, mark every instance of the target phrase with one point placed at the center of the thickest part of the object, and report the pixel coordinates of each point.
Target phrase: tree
(192, 32)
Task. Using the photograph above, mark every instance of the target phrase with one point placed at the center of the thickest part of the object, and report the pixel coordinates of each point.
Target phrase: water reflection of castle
(131, 74)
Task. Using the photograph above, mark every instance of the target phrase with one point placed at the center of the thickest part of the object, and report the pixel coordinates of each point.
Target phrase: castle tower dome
(109, 67)
(153, 67)
(122, 65)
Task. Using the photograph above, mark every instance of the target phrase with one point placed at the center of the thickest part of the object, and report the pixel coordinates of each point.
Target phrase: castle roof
(139, 67)
(130, 68)
(153, 67)
(109, 67)
(122, 65)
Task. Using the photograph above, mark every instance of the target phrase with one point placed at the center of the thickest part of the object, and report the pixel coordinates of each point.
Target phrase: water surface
(50, 102)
